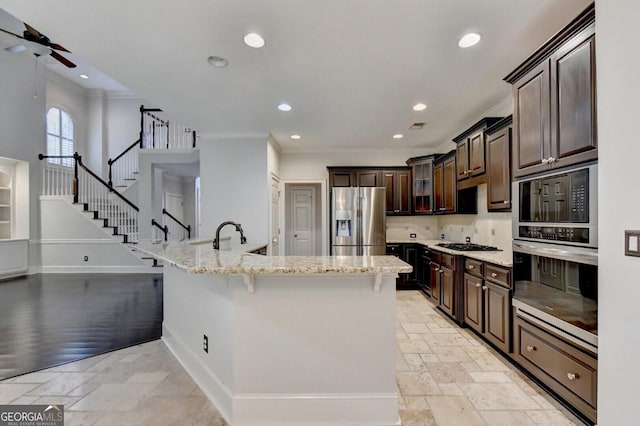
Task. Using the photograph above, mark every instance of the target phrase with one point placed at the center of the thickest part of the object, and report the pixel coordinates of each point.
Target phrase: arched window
(60, 136)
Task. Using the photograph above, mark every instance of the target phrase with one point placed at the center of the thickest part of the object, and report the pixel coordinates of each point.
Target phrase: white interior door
(303, 220)
(275, 216)
(174, 204)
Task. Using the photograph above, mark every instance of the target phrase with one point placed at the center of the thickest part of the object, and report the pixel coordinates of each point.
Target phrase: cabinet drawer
(448, 261)
(474, 267)
(567, 366)
(393, 250)
(435, 256)
(498, 274)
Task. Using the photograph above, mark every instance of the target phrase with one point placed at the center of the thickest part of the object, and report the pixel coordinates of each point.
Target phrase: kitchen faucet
(216, 241)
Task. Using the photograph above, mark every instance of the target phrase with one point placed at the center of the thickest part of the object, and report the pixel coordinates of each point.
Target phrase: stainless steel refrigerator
(358, 221)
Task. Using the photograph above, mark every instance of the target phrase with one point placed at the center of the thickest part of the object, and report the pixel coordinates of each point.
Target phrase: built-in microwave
(558, 208)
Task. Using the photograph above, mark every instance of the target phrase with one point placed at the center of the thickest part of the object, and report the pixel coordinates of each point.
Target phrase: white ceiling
(351, 69)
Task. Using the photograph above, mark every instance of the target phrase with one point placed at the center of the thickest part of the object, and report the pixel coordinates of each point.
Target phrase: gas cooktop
(468, 247)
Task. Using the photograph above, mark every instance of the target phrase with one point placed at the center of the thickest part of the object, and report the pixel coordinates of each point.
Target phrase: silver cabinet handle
(478, 285)
(493, 275)
(531, 348)
(506, 201)
(572, 376)
(552, 160)
(470, 267)
(545, 161)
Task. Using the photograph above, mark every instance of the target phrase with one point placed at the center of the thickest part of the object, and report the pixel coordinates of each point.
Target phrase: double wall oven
(555, 251)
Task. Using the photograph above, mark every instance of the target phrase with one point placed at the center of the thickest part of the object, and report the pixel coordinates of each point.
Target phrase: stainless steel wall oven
(555, 255)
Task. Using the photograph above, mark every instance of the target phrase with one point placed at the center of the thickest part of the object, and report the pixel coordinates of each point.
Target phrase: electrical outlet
(467, 239)
(86, 258)
(493, 231)
(205, 343)
(412, 235)
(442, 236)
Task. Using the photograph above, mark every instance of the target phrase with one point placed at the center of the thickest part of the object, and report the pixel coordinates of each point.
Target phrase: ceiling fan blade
(32, 30)
(13, 34)
(56, 46)
(62, 59)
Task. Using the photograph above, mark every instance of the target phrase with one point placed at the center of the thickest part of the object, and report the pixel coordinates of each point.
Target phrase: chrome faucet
(216, 241)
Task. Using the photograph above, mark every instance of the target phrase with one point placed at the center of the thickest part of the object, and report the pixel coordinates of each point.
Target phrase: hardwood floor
(52, 319)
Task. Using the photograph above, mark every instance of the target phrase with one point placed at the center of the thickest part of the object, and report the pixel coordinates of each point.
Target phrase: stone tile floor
(446, 376)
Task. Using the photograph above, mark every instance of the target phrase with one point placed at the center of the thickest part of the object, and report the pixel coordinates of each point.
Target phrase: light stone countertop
(503, 258)
(201, 258)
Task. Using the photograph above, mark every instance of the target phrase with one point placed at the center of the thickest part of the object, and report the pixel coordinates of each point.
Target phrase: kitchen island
(284, 340)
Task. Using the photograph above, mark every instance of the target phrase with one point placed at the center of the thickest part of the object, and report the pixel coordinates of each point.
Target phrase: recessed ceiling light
(84, 76)
(468, 40)
(419, 107)
(296, 137)
(284, 107)
(217, 61)
(254, 40)
(398, 136)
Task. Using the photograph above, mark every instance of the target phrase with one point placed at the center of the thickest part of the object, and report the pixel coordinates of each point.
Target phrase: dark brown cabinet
(422, 168)
(499, 166)
(398, 184)
(445, 187)
(397, 181)
(369, 178)
(568, 370)
(471, 162)
(487, 301)
(554, 119)
(434, 277)
(410, 254)
(342, 178)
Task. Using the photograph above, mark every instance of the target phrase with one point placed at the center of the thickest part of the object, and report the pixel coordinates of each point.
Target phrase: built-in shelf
(5, 203)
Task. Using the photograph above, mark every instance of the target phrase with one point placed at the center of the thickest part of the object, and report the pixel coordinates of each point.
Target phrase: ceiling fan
(38, 44)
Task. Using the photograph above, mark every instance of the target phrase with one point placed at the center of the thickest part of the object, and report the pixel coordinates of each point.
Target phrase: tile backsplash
(492, 229)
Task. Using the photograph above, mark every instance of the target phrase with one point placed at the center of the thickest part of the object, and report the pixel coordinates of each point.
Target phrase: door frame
(276, 179)
(321, 219)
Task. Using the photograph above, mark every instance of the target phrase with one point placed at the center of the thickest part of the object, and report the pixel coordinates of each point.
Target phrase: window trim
(67, 163)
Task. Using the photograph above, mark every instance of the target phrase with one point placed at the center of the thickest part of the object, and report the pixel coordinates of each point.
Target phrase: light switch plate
(632, 243)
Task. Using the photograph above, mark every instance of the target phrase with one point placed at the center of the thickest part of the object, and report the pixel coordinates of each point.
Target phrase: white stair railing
(57, 179)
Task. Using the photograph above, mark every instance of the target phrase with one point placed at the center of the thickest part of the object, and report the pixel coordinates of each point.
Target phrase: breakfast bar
(284, 340)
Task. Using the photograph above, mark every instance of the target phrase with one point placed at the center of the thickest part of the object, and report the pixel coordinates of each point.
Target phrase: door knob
(295, 235)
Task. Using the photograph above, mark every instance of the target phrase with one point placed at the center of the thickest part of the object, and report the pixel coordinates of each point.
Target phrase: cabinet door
(462, 153)
(447, 297)
(342, 178)
(477, 163)
(531, 121)
(403, 192)
(449, 185)
(425, 273)
(410, 255)
(473, 302)
(369, 178)
(499, 159)
(434, 280)
(389, 179)
(497, 302)
(437, 187)
(573, 100)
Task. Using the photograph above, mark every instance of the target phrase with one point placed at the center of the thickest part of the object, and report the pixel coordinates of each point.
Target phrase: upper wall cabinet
(471, 153)
(423, 183)
(554, 101)
(499, 165)
(397, 181)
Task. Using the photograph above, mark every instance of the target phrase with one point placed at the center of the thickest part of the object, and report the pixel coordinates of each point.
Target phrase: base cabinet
(487, 302)
(569, 371)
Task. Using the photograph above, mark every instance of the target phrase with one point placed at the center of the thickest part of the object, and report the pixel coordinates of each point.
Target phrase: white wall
(618, 66)
(233, 174)
(96, 156)
(22, 125)
(123, 123)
